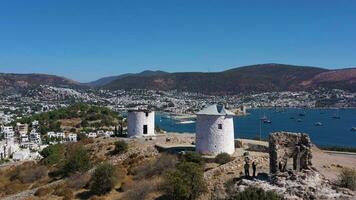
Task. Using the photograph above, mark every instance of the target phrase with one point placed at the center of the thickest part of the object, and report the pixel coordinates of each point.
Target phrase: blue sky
(85, 40)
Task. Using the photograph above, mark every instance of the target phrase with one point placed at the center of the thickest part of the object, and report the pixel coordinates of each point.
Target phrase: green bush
(195, 157)
(253, 193)
(103, 179)
(347, 178)
(53, 154)
(222, 158)
(186, 182)
(120, 147)
(77, 160)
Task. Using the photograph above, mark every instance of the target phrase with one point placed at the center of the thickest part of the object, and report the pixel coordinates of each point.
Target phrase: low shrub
(64, 191)
(223, 158)
(141, 190)
(14, 187)
(195, 157)
(254, 193)
(120, 147)
(29, 174)
(164, 163)
(103, 179)
(347, 178)
(77, 160)
(43, 191)
(53, 154)
(78, 181)
(186, 182)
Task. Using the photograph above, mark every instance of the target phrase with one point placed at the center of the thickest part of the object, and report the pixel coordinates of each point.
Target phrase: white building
(21, 128)
(7, 148)
(35, 137)
(72, 137)
(24, 138)
(215, 131)
(7, 132)
(141, 123)
(21, 155)
(92, 135)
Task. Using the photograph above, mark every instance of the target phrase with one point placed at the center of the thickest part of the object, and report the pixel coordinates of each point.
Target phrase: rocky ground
(316, 183)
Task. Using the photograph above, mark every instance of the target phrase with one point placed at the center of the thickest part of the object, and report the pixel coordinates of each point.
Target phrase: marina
(324, 129)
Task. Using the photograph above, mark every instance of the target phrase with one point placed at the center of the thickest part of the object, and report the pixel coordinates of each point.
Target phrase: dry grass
(142, 189)
(78, 181)
(44, 191)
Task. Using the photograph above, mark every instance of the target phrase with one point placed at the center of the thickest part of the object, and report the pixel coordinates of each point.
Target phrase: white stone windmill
(215, 131)
(141, 123)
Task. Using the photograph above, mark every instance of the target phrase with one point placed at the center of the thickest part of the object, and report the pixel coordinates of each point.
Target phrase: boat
(353, 129)
(291, 118)
(301, 114)
(263, 118)
(336, 114)
(267, 121)
(186, 122)
(318, 124)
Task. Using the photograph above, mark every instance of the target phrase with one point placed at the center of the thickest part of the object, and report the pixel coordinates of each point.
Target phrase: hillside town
(214, 137)
(45, 98)
(23, 141)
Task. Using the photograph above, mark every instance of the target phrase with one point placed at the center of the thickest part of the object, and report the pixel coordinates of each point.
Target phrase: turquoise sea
(325, 126)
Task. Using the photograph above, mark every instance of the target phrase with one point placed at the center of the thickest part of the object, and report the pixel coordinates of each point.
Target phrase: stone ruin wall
(286, 147)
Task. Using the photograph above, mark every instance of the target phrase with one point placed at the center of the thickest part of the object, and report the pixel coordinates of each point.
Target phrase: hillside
(107, 80)
(21, 81)
(75, 118)
(254, 78)
(248, 79)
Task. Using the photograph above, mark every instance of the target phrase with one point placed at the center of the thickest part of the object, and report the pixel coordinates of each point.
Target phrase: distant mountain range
(247, 79)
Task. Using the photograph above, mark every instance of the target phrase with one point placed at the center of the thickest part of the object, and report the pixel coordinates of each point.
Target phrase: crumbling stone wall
(287, 147)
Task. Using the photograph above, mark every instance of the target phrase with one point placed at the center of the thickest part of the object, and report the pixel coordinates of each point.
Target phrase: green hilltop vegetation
(75, 118)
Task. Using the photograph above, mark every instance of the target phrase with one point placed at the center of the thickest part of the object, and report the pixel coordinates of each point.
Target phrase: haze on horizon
(87, 40)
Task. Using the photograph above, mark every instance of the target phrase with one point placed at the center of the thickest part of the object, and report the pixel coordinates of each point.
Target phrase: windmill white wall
(141, 123)
(215, 131)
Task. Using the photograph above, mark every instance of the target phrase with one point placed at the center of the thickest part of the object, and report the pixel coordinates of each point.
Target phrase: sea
(326, 127)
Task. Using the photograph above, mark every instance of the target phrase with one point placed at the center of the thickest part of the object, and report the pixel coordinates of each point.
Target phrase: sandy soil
(330, 164)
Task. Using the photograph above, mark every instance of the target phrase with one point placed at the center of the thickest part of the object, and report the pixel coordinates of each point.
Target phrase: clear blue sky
(85, 40)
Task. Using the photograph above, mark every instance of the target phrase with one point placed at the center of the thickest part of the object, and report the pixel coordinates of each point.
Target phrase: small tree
(347, 178)
(52, 154)
(222, 158)
(77, 160)
(186, 182)
(120, 147)
(103, 179)
(195, 157)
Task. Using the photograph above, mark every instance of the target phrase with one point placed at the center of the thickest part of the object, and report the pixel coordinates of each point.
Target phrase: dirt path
(330, 163)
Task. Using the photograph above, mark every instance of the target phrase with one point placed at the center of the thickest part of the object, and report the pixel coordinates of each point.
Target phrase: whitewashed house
(215, 131)
(7, 132)
(72, 137)
(21, 155)
(24, 138)
(21, 128)
(51, 134)
(35, 137)
(141, 123)
(91, 135)
(7, 148)
(60, 135)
